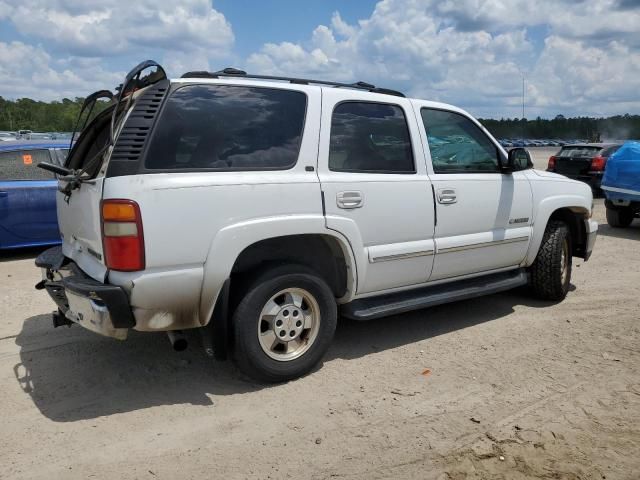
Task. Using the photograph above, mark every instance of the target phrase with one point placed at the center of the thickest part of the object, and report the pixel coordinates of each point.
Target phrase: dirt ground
(500, 387)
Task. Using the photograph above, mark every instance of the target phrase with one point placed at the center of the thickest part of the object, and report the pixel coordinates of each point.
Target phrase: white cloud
(28, 71)
(598, 79)
(578, 57)
(471, 53)
(74, 43)
(111, 27)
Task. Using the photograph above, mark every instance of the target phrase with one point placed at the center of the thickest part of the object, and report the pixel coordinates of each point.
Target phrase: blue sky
(259, 22)
(577, 57)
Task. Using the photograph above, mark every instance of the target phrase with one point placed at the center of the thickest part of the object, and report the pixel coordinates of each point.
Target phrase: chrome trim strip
(620, 190)
(400, 256)
(482, 244)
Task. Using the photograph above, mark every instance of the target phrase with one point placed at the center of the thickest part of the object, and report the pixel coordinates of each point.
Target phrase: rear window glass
(223, 127)
(578, 151)
(23, 165)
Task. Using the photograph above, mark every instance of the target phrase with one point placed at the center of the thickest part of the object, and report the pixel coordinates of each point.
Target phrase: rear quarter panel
(195, 225)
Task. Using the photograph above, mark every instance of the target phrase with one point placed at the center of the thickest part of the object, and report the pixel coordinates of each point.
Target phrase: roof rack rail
(234, 72)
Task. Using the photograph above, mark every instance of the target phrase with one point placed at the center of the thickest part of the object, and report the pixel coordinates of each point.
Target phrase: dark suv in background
(583, 161)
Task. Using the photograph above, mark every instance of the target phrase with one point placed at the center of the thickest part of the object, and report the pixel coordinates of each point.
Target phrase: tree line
(60, 116)
(28, 114)
(618, 127)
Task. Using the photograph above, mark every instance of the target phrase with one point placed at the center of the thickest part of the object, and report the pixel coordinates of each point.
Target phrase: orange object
(426, 372)
(118, 211)
(26, 159)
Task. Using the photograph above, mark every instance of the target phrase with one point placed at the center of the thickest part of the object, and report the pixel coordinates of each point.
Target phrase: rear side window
(370, 138)
(457, 145)
(23, 165)
(223, 127)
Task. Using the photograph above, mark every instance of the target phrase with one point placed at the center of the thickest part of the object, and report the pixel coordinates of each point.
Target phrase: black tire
(619, 217)
(248, 351)
(547, 279)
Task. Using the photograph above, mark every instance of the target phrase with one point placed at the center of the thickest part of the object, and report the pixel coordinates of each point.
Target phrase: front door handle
(447, 196)
(352, 199)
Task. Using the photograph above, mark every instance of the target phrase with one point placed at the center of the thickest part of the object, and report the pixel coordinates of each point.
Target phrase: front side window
(23, 165)
(370, 138)
(457, 144)
(224, 127)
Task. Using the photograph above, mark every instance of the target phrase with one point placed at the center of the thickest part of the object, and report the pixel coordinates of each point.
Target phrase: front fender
(542, 213)
(232, 240)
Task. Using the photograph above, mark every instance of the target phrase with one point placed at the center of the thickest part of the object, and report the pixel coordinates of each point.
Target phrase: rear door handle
(351, 199)
(447, 196)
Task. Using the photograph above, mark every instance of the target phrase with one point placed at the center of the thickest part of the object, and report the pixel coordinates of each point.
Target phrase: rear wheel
(551, 270)
(284, 324)
(619, 217)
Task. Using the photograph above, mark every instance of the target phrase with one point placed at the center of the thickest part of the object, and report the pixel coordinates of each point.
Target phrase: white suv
(263, 208)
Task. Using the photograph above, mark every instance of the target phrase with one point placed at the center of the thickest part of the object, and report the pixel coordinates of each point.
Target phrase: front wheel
(551, 270)
(619, 217)
(284, 324)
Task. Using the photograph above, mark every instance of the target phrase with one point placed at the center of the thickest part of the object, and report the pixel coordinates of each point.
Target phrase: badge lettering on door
(518, 220)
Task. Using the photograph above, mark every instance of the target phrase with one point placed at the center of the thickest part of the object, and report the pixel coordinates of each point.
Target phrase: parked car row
(527, 142)
(7, 136)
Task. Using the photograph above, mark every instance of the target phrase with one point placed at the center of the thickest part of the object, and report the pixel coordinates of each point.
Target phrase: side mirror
(518, 159)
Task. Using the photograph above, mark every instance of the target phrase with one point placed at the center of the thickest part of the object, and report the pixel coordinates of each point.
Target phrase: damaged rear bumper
(99, 307)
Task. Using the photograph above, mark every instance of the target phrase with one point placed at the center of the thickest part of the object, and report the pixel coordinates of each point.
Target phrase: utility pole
(523, 95)
(523, 120)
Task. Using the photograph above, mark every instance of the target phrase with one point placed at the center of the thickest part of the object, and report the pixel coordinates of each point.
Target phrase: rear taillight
(552, 163)
(122, 236)
(598, 163)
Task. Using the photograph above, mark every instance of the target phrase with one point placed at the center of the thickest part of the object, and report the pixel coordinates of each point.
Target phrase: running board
(406, 301)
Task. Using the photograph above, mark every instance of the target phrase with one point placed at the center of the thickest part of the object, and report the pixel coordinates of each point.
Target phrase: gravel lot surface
(497, 387)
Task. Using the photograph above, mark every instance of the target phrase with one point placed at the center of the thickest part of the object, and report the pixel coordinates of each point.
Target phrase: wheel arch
(573, 211)
(243, 247)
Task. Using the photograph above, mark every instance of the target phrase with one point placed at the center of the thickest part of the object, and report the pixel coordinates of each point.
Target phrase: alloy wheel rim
(288, 324)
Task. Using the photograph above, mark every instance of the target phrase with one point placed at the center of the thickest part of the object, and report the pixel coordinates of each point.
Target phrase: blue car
(621, 185)
(28, 193)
